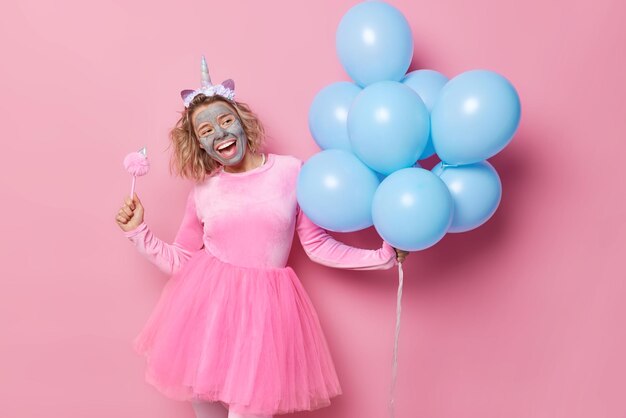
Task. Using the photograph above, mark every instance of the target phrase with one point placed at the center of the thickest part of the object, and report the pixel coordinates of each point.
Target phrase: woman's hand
(400, 255)
(130, 215)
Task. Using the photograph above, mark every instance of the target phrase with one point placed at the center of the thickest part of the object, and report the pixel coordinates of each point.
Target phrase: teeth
(225, 144)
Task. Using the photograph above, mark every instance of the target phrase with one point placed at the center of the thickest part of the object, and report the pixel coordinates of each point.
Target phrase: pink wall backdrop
(521, 318)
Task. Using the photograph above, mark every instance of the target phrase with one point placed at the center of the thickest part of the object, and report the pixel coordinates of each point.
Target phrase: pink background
(523, 317)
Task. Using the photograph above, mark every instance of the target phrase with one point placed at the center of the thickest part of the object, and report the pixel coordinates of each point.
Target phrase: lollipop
(136, 163)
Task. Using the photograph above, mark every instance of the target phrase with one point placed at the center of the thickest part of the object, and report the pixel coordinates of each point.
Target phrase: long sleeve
(324, 249)
(169, 258)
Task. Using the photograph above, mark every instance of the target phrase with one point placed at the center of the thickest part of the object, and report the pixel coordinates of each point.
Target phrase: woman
(234, 327)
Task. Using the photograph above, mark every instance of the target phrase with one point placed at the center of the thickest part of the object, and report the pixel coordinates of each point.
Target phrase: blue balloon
(476, 190)
(374, 43)
(388, 126)
(328, 115)
(412, 209)
(475, 117)
(428, 84)
(382, 176)
(429, 151)
(335, 190)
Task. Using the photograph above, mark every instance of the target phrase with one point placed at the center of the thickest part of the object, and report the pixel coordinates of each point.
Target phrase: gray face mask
(221, 133)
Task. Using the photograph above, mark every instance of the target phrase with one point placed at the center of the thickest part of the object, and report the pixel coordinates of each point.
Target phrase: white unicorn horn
(206, 79)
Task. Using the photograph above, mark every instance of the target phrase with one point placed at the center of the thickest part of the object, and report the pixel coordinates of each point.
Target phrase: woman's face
(220, 132)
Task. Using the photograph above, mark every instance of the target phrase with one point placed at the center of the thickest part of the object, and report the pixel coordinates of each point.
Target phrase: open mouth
(226, 149)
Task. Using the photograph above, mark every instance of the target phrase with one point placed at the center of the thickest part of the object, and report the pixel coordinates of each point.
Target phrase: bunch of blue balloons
(374, 131)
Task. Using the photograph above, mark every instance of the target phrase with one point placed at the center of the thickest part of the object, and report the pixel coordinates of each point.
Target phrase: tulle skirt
(248, 337)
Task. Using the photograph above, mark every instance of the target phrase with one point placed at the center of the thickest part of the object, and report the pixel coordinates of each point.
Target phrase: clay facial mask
(221, 133)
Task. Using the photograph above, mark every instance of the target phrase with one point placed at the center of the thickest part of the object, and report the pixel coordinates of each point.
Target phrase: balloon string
(394, 370)
(444, 165)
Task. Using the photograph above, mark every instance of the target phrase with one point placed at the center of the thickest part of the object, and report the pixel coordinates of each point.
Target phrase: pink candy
(136, 163)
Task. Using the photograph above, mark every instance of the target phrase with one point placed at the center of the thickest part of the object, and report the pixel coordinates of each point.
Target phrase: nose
(220, 132)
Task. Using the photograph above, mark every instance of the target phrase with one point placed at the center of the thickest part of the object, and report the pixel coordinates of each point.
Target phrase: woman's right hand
(130, 215)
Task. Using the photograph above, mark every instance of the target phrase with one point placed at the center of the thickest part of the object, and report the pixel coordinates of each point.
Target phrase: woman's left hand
(400, 255)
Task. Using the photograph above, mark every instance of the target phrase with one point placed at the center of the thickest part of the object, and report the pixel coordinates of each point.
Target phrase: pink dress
(233, 323)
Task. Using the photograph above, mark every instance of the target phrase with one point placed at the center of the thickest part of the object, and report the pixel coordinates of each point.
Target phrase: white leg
(232, 414)
(204, 409)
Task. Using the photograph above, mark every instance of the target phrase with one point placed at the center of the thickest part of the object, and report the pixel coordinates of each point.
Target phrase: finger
(130, 203)
(120, 219)
(127, 211)
(124, 216)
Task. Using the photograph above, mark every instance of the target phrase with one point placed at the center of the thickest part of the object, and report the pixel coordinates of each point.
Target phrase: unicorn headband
(226, 89)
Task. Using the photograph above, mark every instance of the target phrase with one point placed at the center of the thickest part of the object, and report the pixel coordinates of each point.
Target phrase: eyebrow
(223, 115)
(204, 124)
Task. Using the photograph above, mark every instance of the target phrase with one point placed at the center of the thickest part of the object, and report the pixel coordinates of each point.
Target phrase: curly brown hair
(192, 162)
